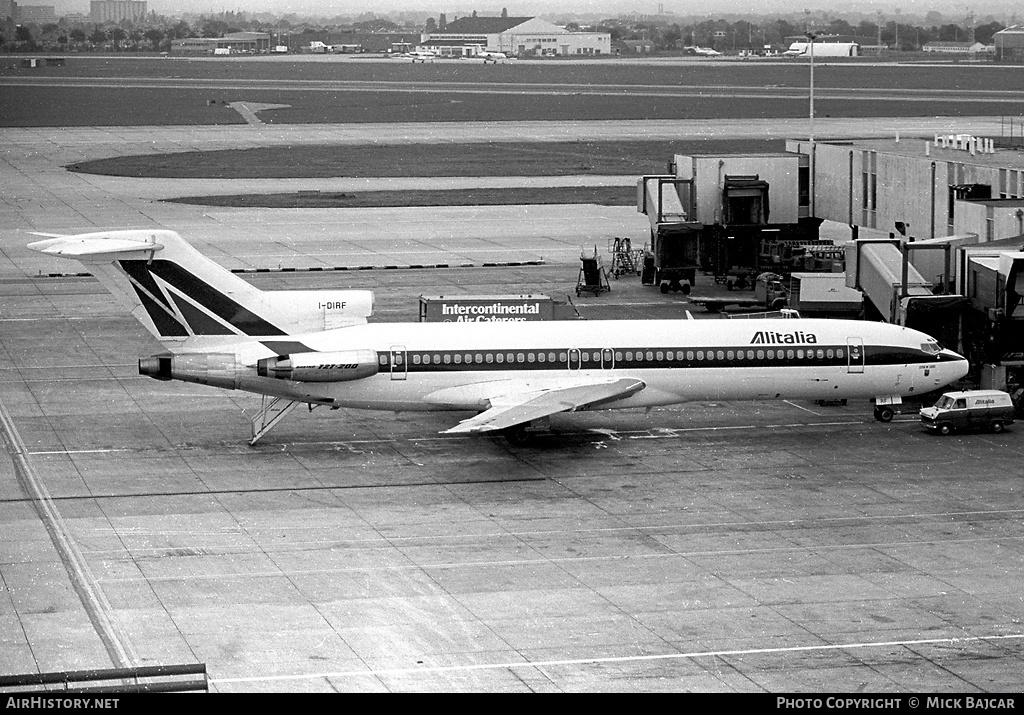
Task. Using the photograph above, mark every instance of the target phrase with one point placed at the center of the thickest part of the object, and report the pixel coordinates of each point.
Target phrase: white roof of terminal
(915, 147)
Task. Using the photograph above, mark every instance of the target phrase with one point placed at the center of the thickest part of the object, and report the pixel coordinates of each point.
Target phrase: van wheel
(884, 414)
(997, 426)
(944, 429)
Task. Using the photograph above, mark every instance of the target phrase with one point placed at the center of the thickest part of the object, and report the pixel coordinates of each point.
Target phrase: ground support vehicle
(593, 277)
(969, 410)
(625, 259)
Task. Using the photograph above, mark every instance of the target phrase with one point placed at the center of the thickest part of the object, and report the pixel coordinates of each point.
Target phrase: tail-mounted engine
(342, 366)
(215, 369)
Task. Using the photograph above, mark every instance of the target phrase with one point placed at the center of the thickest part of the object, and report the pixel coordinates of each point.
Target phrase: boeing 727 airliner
(317, 348)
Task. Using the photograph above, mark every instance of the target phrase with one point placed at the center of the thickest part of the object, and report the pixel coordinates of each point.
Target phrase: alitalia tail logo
(764, 337)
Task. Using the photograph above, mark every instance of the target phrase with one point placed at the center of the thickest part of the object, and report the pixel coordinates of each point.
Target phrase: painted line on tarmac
(93, 600)
(244, 529)
(619, 659)
(656, 433)
(793, 404)
(79, 451)
(281, 573)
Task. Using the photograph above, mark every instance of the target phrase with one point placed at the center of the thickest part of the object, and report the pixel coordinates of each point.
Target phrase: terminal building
(936, 236)
(918, 184)
(953, 208)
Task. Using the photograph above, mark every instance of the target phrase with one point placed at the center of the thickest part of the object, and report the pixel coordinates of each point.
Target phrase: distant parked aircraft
(492, 57)
(421, 56)
(318, 47)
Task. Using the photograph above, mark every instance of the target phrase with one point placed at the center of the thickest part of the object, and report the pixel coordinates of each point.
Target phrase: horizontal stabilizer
(100, 245)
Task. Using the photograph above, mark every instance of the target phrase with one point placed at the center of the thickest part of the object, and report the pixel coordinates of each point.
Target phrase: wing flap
(512, 409)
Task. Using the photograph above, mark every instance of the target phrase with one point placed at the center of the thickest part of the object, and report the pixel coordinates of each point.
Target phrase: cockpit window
(931, 347)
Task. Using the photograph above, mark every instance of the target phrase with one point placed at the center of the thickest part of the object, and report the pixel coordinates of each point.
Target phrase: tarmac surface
(711, 547)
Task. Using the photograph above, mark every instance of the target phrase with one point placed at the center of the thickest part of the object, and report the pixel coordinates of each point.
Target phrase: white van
(971, 409)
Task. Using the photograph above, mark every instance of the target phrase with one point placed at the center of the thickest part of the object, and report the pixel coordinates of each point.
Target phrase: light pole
(810, 39)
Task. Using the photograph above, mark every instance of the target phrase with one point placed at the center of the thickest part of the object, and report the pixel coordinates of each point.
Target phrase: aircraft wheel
(664, 287)
(944, 429)
(518, 436)
(884, 414)
(997, 426)
(686, 289)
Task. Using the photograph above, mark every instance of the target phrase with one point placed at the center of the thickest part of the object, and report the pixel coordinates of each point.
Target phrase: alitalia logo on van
(765, 337)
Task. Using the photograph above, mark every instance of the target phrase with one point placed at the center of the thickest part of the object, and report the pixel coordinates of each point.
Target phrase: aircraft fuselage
(434, 366)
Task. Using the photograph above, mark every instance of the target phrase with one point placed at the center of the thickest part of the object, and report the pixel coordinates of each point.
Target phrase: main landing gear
(526, 433)
(518, 436)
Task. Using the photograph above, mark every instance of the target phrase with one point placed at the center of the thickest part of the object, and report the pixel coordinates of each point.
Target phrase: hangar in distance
(318, 348)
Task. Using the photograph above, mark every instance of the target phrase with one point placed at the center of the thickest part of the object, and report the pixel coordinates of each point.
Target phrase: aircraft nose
(961, 365)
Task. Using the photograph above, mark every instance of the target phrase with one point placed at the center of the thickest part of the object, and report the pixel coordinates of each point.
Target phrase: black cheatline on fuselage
(167, 312)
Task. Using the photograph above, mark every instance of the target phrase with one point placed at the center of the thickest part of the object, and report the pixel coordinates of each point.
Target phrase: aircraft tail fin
(180, 295)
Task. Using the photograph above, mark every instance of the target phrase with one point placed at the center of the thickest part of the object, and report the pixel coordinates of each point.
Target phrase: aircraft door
(855, 355)
(398, 360)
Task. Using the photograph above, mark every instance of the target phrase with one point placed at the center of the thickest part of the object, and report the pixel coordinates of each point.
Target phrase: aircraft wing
(512, 409)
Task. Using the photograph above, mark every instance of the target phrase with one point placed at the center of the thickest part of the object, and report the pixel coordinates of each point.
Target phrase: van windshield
(945, 403)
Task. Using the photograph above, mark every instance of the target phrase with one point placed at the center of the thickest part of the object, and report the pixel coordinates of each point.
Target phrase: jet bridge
(881, 270)
(669, 204)
(992, 278)
(718, 214)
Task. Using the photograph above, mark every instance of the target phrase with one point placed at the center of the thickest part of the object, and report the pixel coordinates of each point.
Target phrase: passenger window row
(588, 357)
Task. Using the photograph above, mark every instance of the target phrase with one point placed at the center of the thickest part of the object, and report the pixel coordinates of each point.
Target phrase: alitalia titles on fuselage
(767, 337)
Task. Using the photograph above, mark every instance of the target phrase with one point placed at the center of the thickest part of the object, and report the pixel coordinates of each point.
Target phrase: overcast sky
(953, 9)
